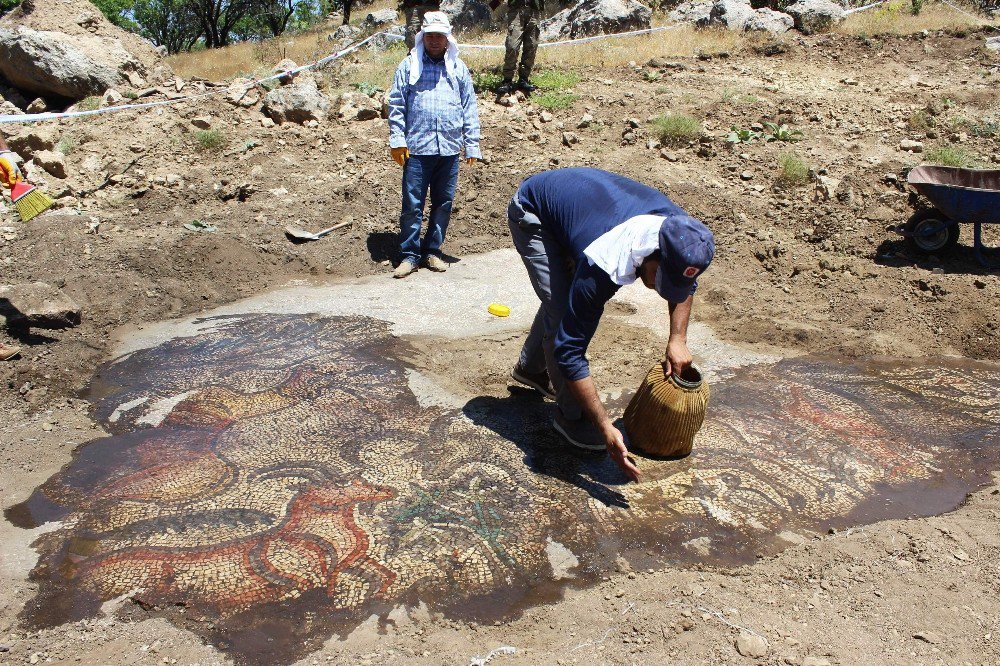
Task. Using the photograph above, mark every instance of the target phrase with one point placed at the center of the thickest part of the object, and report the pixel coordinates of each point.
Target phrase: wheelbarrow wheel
(930, 231)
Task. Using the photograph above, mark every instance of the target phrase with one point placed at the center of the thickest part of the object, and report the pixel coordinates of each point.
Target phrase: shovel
(303, 235)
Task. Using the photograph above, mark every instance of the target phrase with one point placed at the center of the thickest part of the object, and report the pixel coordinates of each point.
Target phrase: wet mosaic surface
(278, 479)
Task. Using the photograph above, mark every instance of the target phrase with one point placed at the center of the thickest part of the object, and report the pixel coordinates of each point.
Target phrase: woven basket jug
(666, 413)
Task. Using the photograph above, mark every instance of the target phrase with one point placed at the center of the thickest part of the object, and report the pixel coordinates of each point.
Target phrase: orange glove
(10, 173)
(470, 160)
(400, 155)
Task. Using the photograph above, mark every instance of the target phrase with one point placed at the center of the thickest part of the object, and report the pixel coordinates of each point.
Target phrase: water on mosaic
(276, 477)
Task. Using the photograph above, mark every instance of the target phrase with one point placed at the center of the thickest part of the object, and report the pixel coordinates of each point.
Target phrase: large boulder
(26, 140)
(812, 16)
(67, 48)
(56, 64)
(729, 14)
(298, 102)
(768, 20)
(36, 305)
(385, 40)
(383, 18)
(358, 106)
(596, 17)
(692, 11)
(344, 33)
(466, 14)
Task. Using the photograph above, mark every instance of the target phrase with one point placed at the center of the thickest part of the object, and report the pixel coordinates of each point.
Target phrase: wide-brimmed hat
(436, 22)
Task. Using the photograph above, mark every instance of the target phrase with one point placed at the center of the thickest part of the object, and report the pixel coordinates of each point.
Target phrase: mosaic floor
(277, 477)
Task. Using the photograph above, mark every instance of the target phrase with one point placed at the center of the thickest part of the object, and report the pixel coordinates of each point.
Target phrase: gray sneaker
(436, 263)
(581, 433)
(405, 268)
(536, 380)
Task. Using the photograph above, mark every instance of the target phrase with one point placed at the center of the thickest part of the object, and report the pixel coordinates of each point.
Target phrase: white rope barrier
(861, 9)
(579, 40)
(41, 117)
(959, 9)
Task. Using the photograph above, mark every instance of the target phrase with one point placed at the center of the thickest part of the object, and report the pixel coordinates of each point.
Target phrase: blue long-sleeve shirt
(436, 116)
(577, 206)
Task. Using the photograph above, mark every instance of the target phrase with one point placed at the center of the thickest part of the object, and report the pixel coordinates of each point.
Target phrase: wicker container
(666, 413)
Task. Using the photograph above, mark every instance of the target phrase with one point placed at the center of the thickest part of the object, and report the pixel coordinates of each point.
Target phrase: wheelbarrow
(959, 196)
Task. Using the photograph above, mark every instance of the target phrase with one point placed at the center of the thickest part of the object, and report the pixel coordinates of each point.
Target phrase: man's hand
(470, 160)
(10, 172)
(400, 155)
(678, 356)
(619, 453)
(585, 393)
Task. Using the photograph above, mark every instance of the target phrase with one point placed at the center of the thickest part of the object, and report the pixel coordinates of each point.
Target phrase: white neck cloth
(619, 252)
(417, 57)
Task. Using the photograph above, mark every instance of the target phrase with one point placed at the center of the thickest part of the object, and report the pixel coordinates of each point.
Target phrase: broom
(29, 200)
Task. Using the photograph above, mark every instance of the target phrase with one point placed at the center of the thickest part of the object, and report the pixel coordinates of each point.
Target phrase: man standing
(10, 173)
(432, 115)
(582, 234)
(523, 19)
(413, 11)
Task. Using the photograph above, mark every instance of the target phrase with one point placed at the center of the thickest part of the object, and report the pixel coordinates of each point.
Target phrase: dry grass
(258, 58)
(895, 18)
(616, 52)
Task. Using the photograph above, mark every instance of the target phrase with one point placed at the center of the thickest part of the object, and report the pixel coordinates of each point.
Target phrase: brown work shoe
(7, 352)
(405, 267)
(436, 263)
(537, 380)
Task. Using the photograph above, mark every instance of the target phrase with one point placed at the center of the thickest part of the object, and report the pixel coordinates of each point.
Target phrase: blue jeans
(439, 173)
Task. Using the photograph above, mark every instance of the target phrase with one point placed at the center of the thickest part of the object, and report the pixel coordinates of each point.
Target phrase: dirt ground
(796, 270)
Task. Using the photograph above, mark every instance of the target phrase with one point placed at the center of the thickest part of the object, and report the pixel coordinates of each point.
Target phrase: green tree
(7, 5)
(118, 12)
(168, 23)
(275, 17)
(219, 18)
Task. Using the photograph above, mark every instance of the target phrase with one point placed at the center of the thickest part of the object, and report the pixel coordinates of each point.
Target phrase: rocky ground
(807, 268)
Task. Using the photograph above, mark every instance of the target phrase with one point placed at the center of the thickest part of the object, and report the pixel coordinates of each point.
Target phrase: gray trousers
(415, 17)
(522, 31)
(550, 270)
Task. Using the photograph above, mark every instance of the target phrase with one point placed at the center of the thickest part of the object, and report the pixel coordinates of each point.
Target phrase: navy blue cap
(686, 249)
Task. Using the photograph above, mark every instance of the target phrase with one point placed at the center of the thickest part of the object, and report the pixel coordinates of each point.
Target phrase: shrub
(367, 88)
(775, 132)
(737, 135)
(792, 170)
(986, 127)
(487, 80)
(555, 100)
(951, 156)
(89, 103)
(553, 79)
(210, 140)
(676, 128)
(66, 145)
(921, 121)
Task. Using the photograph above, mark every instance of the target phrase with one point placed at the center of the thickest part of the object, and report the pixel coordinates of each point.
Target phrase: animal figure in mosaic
(246, 475)
(316, 542)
